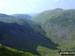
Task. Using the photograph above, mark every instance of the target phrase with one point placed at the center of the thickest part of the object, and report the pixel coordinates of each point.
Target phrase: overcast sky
(33, 6)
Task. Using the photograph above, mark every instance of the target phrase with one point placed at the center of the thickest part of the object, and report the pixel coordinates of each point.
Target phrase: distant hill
(15, 16)
(33, 14)
(3, 15)
(22, 16)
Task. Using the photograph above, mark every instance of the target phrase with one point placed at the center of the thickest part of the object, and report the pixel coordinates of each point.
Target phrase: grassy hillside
(7, 51)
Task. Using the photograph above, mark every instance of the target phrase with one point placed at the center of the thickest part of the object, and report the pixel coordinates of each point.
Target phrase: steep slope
(62, 25)
(24, 35)
(59, 26)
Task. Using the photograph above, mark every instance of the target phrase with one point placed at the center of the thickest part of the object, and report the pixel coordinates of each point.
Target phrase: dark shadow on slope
(23, 37)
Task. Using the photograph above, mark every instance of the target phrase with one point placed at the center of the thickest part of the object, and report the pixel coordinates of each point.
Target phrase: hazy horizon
(33, 6)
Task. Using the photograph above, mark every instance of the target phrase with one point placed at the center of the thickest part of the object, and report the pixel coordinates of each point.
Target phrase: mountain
(24, 35)
(58, 20)
(22, 16)
(3, 15)
(59, 25)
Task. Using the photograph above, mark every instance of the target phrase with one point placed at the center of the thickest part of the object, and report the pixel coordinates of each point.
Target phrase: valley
(44, 34)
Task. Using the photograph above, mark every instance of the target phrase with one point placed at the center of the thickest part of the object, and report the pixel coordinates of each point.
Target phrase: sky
(33, 6)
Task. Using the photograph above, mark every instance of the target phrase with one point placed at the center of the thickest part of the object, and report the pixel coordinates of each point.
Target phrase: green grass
(7, 51)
